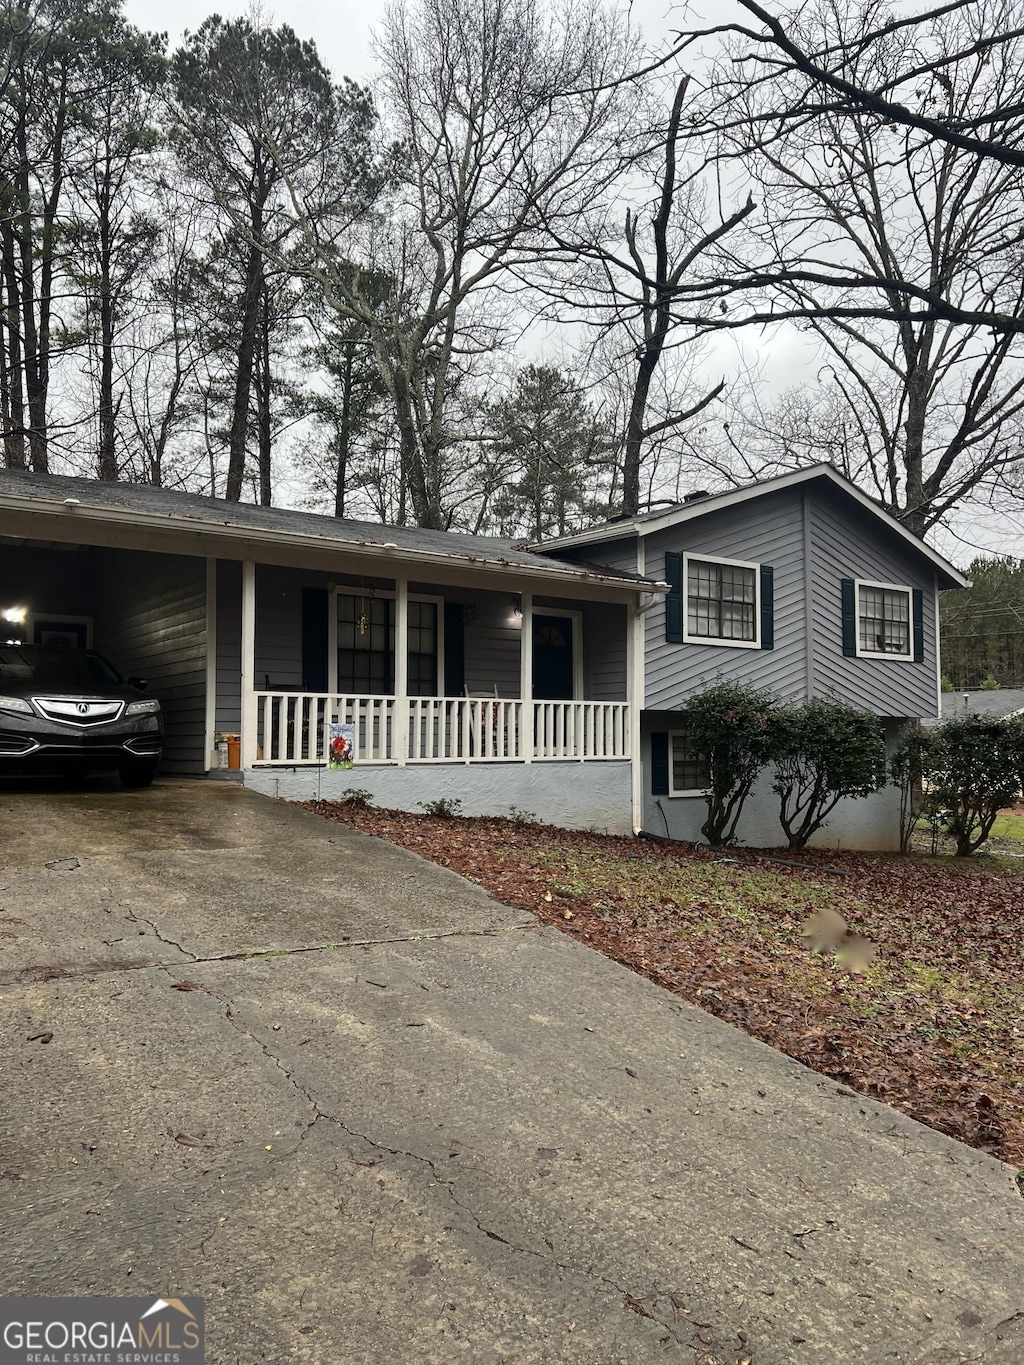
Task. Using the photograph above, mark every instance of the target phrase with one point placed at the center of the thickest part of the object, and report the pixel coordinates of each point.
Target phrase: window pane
(689, 772)
(884, 620)
(422, 649)
(720, 601)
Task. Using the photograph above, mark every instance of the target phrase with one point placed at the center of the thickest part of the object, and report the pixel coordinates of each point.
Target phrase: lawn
(934, 1025)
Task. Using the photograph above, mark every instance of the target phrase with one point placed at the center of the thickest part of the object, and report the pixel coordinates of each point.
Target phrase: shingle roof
(647, 522)
(272, 522)
(983, 703)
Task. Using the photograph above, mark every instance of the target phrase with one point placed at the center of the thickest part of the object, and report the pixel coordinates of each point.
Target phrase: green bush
(975, 768)
(356, 796)
(825, 751)
(990, 684)
(908, 768)
(731, 727)
(443, 807)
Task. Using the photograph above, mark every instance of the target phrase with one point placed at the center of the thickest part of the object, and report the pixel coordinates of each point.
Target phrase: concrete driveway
(373, 1116)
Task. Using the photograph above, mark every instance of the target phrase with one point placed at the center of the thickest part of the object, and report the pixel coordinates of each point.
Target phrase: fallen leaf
(40, 1038)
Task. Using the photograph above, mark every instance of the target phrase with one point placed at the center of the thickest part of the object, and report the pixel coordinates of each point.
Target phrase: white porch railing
(292, 729)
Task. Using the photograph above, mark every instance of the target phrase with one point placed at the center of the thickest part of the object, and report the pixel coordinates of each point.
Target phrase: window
(422, 649)
(688, 773)
(883, 620)
(721, 601)
(366, 645)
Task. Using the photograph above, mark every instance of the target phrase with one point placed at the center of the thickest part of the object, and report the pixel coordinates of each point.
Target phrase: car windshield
(55, 670)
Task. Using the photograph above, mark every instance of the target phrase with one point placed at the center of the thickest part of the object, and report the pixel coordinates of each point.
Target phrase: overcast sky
(342, 30)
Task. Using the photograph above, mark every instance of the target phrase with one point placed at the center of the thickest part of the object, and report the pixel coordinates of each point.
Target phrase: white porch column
(400, 723)
(527, 730)
(249, 718)
(635, 697)
(211, 658)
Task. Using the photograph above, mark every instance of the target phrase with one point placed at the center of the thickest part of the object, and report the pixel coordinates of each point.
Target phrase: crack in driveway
(91, 970)
(635, 1303)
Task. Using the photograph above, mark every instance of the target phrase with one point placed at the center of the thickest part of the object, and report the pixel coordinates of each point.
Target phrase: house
(461, 666)
(550, 678)
(1001, 701)
(801, 584)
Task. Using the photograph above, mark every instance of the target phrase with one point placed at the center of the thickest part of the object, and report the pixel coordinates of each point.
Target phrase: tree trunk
(14, 393)
(108, 437)
(263, 404)
(243, 373)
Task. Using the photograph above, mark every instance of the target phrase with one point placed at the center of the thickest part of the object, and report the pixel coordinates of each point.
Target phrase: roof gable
(650, 523)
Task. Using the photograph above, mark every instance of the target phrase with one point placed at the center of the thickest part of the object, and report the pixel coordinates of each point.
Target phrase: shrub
(990, 684)
(521, 817)
(825, 751)
(975, 768)
(731, 727)
(442, 807)
(356, 796)
(908, 768)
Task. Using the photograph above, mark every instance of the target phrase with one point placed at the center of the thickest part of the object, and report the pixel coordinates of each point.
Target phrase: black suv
(69, 709)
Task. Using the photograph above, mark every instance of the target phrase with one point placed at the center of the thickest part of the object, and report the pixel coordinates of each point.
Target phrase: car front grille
(80, 712)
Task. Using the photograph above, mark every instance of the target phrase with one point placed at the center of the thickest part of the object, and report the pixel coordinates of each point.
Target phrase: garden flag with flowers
(341, 744)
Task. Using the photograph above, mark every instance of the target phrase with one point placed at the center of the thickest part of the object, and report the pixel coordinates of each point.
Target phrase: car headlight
(15, 704)
(138, 708)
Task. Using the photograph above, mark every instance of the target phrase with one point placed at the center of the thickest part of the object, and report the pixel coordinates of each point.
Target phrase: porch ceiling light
(16, 615)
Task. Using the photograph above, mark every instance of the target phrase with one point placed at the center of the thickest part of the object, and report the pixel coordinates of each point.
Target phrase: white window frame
(332, 631)
(672, 789)
(859, 583)
(717, 640)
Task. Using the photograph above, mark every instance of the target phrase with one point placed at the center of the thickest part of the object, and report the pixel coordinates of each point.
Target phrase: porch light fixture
(517, 610)
(16, 615)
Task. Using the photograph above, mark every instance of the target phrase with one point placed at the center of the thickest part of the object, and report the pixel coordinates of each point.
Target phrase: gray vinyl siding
(617, 554)
(491, 637)
(150, 618)
(767, 530)
(605, 627)
(844, 544)
(228, 718)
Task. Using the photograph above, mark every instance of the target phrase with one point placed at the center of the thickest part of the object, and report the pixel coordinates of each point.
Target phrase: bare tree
(510, 117)
(900, 253)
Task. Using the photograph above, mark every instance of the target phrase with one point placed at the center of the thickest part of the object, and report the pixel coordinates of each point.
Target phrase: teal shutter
(767, 607)
(674, 601)
(918, 626)
(659, 763)
(315, 606)
(849, 617)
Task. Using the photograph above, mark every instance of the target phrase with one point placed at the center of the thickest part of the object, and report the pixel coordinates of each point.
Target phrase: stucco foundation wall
(571, 795)
(870, 823)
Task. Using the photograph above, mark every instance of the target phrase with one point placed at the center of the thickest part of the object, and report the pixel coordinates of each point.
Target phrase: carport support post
(527, 729)
(400, 724)
(249, 719)
(635, 698)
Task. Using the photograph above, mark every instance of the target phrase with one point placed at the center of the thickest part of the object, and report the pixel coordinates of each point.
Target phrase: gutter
(72, 507)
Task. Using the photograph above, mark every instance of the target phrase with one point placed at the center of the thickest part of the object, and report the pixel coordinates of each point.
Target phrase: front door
(553, 664)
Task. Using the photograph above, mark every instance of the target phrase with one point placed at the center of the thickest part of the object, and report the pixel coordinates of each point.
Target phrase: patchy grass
(934, 1026)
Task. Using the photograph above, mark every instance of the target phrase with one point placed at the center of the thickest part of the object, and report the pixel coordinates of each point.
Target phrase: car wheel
(137, 773)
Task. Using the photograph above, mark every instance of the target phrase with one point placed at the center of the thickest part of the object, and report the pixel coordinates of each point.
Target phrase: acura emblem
(83, 708)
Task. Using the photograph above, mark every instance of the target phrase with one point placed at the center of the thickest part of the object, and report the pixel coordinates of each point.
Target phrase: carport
(145, 611)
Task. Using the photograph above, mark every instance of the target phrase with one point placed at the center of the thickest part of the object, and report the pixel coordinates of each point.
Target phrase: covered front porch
(485, 675)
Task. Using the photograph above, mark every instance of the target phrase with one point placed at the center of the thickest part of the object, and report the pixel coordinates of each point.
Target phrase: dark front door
(552, 658)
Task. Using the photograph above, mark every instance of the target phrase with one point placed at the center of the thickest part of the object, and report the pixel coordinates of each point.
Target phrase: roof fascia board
(57, 520)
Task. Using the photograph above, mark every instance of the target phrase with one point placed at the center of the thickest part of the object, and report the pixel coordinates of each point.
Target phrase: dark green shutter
(454, 649)
(918, 626)
(314, 639)
(659, 763)
(849, 616)
(767, 607)
(674, 601)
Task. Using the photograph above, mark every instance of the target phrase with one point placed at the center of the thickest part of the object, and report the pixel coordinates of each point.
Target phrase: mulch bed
(935, 1026)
